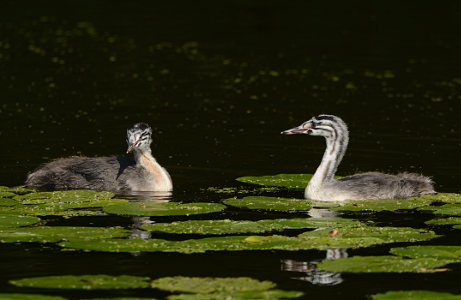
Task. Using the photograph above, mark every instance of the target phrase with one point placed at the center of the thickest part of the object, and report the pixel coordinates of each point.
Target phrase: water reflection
(309, 268)
(139, 221)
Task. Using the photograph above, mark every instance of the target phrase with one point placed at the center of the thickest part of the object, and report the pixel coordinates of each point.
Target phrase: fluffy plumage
(371, 185)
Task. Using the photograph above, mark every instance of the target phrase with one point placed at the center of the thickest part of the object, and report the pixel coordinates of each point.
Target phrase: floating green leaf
(16, 190)
(291, 181)
(270, 203)
(240, 295)
(443, 197)
(5, 194)
(447, 209)
(445, 221)
(365, 236)
(6, 296)
(64, 197)
(318, 239)
(210, 284)
(7, 202)
(382, 204)
(145, 208)
(17, 221)
(415, 295)
(232, 227)
(439, 252)
(383, 264)
(53, 234)
(84, 282)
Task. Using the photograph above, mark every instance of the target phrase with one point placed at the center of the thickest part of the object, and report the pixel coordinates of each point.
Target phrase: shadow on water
(218, 82)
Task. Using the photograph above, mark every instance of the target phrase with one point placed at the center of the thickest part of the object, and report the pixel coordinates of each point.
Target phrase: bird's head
(320, 125)
(139, 137)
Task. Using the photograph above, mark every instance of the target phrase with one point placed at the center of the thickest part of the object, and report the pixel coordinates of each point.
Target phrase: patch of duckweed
(163, 208)
(84, 282)
(291, 181)
(445, 221)
(383, 264)
(439, 252)
(318, 239)
(52, 234)
(14, 296)
(232, 227)
(210, 284)
(415, 295)
(240, 295)
(270, 203)
(447, 209)
(365, 236)
(17, 221)
(383, 204)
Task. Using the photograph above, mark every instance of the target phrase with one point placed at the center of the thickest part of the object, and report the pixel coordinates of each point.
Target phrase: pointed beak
(296, 130)
(130, 148)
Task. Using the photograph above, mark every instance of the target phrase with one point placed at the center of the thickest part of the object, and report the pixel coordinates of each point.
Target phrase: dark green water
(218, 81)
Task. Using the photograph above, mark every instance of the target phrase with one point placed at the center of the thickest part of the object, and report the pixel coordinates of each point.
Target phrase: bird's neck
(334, 153)
(160, 176)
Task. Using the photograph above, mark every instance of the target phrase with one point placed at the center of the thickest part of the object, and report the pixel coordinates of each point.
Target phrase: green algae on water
(53, 234)
(383, 264)
(415, 295)
(270, 203)
(232, 227)
(84, 282)
(163, 208)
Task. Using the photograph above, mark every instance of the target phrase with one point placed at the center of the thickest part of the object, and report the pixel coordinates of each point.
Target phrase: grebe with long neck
(371, 185)
(112, 173)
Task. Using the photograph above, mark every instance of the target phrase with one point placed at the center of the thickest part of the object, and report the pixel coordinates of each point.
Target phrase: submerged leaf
(270, 203)
(210, 284)
(163, 208)
(382, 264)
(232, 227)
(84, 282)
(415, 295)
(51, 234)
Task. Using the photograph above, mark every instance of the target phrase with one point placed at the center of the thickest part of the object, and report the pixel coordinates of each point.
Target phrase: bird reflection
(309, 268)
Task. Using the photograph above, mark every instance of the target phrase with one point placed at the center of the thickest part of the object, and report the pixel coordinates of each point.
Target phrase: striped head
(322, 125)
(139, 137)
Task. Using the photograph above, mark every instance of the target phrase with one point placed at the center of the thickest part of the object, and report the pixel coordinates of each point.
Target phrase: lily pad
(84, 282)
(17, 221)
(444, 221)
(6, 194)
(12, 296)
(240, 295)
(64, 197)
(365, 236)
(319, 239)
(7, 202)
(210, 284)
(16, 190)
(51, 234)
(291, 181)
(163, 208)
(447, 209)
(444, 197)
(270, 203)
(383, 264)
(232, 227)
(383, 204)
(415, 295)
(440, 252)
